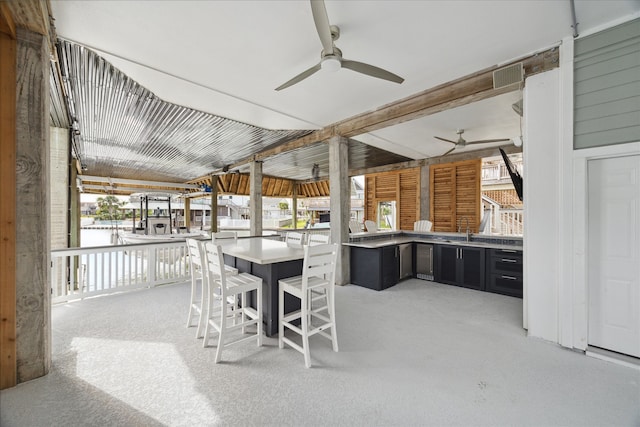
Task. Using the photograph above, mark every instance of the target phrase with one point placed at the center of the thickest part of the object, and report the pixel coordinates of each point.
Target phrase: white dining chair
(355, 226)
(422, 225)
(231, 312)
(318, 276)
(223, 235)
(371, 226)
(293, 238)
(198, 272)
(318, 239)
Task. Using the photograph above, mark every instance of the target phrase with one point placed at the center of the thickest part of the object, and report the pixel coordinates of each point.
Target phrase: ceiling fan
(330, 56)
(461, 142)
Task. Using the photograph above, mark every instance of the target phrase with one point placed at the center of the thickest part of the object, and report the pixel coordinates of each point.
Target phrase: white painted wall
(555, 191)
(541, 175)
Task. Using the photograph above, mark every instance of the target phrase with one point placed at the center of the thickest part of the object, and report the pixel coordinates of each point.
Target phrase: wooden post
(187, 213)
(255, 193)
(74, 206)
(294, 207)
(340, 202)
(8, 361)
(214, 204)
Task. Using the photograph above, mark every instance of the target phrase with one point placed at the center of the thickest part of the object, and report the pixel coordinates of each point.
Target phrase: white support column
(255, 193)
(340, 203)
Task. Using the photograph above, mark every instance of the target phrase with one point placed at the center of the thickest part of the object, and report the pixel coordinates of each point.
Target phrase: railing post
(151, 265)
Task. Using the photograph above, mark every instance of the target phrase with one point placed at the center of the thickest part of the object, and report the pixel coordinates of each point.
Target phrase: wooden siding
(238, 184)
(401, 186)
(455, 195)
(503, 197)
(8, 359)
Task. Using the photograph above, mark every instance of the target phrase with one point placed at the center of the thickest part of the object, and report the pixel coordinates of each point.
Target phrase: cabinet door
(390, 266)
(447, 263)
(472, 266)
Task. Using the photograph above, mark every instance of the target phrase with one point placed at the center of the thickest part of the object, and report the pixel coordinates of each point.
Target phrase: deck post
(294, 206)
(255, 194)
(32, 253)
(340, 203)
(214, 205)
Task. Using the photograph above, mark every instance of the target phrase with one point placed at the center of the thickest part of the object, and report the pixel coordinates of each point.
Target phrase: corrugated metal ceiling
(123, 130)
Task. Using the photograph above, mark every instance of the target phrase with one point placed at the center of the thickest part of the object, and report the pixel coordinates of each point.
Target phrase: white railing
(511, 222)
(507, 222)
(495, 172)
(78, 273)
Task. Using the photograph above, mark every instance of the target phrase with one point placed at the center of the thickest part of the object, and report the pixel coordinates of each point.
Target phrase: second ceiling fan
(461, 142)
(331, 57)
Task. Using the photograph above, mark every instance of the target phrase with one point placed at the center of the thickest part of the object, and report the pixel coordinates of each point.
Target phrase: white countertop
(261, 250)
(398, 240)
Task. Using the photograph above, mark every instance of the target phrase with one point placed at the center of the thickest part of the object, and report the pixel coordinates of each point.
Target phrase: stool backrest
(224, 235)
(318, 239)
(355, 226)
(294, 239)
(422, 225)
(215, 266)
(195, 253)
(371, 226)
(319, 261)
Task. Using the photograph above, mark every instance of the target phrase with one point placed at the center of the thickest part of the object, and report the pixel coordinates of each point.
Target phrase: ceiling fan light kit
(330, 63)
(331, 56)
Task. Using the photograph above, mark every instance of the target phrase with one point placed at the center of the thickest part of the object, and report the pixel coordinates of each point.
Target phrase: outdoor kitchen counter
(382, 239)
(493, 263)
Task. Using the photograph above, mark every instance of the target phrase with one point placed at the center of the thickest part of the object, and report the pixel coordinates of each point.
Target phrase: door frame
(576, 314)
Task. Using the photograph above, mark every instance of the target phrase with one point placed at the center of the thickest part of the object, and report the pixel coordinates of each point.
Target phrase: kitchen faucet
(460, 227)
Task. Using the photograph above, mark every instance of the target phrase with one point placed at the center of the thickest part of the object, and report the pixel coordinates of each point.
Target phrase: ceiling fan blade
(448, 151)
(486, 141)
(445, 140)
(370, 70)
(300, 77)
(323, 26)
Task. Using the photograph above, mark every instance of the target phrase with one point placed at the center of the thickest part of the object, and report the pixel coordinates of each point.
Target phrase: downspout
(573, 19)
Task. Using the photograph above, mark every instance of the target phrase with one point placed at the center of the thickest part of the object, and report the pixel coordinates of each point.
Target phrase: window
(386, 215)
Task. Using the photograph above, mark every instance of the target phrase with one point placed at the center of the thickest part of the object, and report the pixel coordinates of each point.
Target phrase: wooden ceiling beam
(486, 152)
(466, 90)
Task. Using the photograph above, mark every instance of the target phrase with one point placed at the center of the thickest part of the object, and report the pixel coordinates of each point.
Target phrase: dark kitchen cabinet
(460, 266)
(375, 268)
(504, 272)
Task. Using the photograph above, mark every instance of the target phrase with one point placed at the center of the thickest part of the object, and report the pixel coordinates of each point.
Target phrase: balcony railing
(82, 272)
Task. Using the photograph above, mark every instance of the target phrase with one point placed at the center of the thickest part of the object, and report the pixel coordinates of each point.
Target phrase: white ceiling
(227, 57)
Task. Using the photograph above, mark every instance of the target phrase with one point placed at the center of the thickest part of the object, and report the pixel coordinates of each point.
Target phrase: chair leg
(305, 330)
(204, 309)
(222, 333)
(243, 317)
(192, 301)
(280, 316)
(259, 309)
(332, 316)
(208, 311)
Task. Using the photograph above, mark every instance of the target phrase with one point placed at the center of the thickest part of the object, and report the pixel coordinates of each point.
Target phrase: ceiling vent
(507, 76)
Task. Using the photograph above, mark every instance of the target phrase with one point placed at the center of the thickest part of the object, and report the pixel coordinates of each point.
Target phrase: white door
(614, 254)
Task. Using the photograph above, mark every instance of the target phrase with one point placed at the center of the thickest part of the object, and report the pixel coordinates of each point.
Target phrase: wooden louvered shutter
(455, 194)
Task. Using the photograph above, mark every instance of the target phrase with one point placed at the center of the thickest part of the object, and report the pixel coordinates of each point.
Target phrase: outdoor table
(270, 260)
